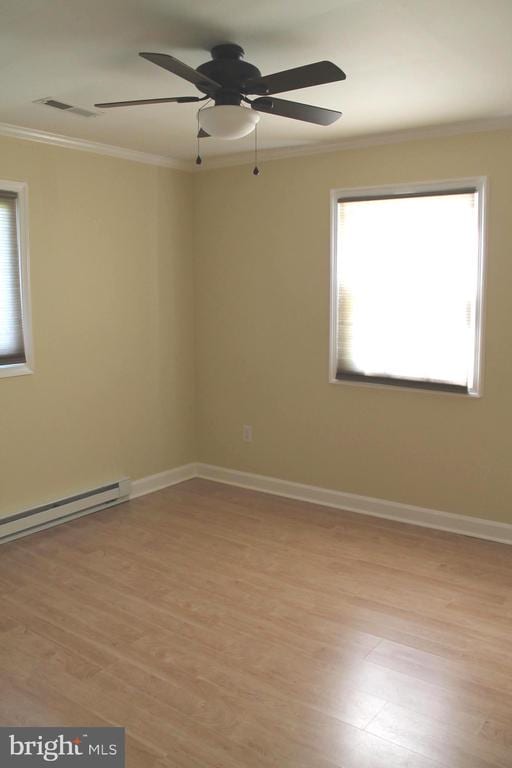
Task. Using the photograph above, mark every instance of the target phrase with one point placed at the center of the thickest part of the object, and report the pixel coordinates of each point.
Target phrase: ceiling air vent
(56, 104)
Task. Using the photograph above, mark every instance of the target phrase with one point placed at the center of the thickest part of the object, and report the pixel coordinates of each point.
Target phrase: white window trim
(480, 183)
(21, 189)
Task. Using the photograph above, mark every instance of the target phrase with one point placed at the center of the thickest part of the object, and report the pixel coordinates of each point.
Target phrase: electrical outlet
(247, 433)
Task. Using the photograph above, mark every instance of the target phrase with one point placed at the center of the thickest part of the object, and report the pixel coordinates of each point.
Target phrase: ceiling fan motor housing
(228, 69)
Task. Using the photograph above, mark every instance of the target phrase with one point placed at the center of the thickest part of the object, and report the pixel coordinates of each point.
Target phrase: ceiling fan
(228, 81)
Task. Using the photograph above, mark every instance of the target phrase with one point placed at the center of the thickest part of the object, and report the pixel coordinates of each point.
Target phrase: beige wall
(112, 293)
(112, 246)
(262, 270)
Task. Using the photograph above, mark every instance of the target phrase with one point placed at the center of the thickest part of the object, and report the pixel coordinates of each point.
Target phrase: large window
(407, 286)
(14, 301)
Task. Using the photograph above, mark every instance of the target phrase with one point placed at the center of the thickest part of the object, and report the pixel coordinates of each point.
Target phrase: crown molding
(304, 150)
(58, 140)
(361, 142)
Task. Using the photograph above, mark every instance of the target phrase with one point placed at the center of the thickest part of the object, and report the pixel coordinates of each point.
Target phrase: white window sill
(19, 369)
(472, 394)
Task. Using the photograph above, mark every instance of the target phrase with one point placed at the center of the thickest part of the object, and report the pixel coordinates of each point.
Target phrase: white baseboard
(351, 502)
(163, 480)
(365, 505)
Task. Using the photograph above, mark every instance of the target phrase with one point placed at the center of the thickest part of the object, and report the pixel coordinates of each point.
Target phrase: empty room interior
(255, 377)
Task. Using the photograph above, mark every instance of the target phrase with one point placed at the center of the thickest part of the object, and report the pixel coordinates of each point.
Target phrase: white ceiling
(409, 64)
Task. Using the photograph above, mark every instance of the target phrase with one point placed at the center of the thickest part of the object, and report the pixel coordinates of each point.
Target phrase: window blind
(407, 274)
(11, 317)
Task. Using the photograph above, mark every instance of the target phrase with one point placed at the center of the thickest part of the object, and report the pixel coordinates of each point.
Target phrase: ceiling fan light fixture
(228, 121)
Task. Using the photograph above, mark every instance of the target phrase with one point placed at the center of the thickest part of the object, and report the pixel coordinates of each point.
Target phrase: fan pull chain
(256, 170)
(199, 159)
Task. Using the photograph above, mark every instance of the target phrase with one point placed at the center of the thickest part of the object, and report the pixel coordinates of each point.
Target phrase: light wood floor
(229, 628)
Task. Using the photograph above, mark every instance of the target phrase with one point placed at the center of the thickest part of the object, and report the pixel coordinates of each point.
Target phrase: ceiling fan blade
(202, 134)
(178, 99)
(300, 77)
(295, 110)
(177, 67)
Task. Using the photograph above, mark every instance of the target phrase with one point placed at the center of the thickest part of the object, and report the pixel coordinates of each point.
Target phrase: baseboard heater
(63, 510)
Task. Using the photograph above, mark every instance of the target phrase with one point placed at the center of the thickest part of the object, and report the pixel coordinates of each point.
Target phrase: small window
(14, 307)
(407, 286)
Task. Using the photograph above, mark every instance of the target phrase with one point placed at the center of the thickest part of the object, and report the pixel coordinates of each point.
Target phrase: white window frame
(21, 190)
(480, 183)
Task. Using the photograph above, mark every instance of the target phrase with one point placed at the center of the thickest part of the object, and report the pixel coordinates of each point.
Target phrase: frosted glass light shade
(228, 121)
